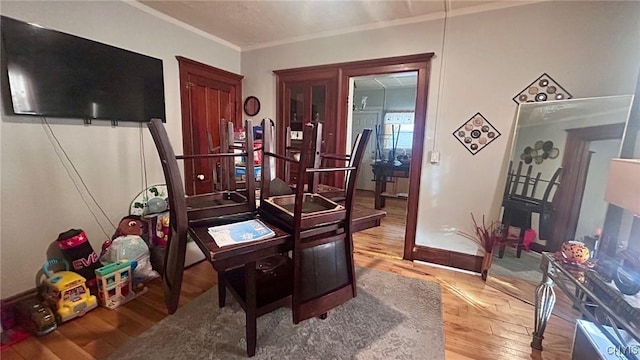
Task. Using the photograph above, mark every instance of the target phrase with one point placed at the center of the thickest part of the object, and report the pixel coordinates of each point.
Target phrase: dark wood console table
(616, 315)
(384, 172)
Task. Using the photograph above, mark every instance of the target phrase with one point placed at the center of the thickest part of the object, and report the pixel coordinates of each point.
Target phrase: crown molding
(181, 24)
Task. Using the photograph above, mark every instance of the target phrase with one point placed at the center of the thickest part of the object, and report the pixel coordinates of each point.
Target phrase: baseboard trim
(448, 258)
(7, 305)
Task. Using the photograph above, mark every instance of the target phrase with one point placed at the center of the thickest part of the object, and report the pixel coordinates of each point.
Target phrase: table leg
(379, 188)
(251, 310)
(501, 251)
(222, 289)
(545, 299)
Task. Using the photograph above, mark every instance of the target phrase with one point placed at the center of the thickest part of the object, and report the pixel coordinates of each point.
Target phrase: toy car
(66, 292)
(36, 317)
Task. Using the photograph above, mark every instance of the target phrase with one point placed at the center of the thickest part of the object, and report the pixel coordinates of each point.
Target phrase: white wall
(39, 199)
(590, 48)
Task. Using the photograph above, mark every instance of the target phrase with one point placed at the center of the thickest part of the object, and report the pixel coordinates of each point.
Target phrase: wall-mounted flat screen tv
(55, 74)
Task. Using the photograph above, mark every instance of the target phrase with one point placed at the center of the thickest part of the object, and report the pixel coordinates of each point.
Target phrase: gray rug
(393, 317)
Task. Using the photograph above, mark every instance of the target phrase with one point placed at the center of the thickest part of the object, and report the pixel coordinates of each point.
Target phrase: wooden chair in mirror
(521, 200)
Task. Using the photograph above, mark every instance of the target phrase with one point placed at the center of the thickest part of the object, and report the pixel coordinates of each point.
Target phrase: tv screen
(60, 75)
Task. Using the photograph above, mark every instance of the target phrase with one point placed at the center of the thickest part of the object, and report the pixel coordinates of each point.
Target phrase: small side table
(597, 299)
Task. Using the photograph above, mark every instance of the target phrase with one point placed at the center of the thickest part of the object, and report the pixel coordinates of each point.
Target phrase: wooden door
(308, 103)
(208, 95)
(309, 98)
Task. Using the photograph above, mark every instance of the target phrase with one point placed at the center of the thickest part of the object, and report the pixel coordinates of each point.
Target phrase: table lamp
(623, 190)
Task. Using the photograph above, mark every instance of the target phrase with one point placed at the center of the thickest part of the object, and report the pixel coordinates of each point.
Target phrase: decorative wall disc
(476, 133)
(539, 152)
(537, 91)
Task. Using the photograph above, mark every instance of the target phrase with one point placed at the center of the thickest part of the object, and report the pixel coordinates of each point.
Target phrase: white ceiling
(388, 81)
(254, 24)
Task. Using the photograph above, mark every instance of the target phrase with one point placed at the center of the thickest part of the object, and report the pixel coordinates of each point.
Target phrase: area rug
(393, 317)
(527, 267)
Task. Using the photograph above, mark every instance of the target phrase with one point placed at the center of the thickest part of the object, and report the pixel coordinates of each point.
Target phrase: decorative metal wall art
(539, 152)
(543, 88)
(476, 133)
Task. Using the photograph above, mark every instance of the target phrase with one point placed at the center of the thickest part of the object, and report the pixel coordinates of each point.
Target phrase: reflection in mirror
(555, 186)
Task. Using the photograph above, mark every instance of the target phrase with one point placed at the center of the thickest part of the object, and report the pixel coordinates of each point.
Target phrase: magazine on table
(244, 231)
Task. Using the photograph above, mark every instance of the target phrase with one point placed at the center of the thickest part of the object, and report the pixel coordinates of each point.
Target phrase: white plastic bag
(131, 247)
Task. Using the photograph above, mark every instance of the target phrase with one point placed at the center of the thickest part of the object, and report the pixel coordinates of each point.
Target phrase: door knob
(200, 177)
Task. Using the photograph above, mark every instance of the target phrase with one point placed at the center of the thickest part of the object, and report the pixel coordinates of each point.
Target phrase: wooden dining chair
(189, 211)
(324, 272)
(176, 247)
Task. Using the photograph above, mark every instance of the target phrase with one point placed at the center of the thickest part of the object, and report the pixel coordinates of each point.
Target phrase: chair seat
(316, 210)
(217, 204)
(520, 205)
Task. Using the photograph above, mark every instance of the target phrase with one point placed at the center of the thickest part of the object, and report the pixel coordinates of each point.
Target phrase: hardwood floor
(480, 322)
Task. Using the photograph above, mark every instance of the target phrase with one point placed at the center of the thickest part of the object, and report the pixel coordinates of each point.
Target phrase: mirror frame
(566, 217)
(251, 106)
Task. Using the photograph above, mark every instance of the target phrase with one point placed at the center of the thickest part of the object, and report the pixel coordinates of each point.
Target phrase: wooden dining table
(227, 257)
(243, 257)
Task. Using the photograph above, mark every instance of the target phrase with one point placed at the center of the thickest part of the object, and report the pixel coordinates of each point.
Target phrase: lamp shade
(623, 184)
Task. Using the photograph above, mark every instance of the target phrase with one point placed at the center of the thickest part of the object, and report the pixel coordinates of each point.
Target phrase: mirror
(251, 106)
(555, 186)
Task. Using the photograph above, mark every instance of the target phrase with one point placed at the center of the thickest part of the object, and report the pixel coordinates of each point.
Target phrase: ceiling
(254, 24)
(388, 81)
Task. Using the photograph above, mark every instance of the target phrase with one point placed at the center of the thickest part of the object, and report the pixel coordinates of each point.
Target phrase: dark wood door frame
(421, 64)
(216, 78)
(575, 163)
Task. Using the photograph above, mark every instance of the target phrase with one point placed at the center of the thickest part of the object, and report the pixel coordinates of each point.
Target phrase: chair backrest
(175, 251)
(324, 271)
(271, 185)
(292, 147)
(547, 207)
(185, 211)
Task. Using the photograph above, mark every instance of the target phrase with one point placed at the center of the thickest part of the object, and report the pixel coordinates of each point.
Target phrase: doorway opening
(419, 64)
(576, 165)
(386, 104)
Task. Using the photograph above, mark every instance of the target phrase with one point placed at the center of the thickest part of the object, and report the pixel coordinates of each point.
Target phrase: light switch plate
(434, 157)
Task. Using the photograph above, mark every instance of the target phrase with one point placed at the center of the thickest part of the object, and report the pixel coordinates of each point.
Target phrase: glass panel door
(296, 107)
(318, 103)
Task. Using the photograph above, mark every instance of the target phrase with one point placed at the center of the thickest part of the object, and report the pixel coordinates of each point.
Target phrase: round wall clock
(251, 106)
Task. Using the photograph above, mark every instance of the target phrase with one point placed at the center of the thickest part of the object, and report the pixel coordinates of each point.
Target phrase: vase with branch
(487, 236)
